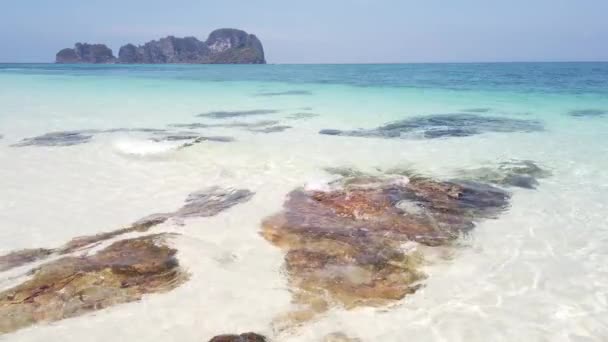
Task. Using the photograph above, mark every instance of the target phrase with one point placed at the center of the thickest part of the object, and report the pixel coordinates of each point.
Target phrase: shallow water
(537, 273)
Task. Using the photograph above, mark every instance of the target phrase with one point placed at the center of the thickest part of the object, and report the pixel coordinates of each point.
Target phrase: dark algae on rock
(223, 46)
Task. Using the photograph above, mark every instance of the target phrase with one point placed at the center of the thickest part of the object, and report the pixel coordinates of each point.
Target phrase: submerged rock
(86, 53)
(89, 241)
(201, 139)
(71, 286)
(68, 138)
(212, 201)
(344, 245)
(297, 116)
(255, 124)
(283, 93)
(176, 137)
(477, 110)
(347, 172)
(136, 129)
(122, 272)
(521, 174)
(442, 126)
(330, 131)
(196, 125)
(246, 337)
(340, 337)
(271, 129)
(588, 112)
(237, 113)
(203, 203)
(190, 139)
(23, 257)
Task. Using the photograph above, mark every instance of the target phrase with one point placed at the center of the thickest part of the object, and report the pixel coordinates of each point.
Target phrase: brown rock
(345, 246)
(246, 337)
(71, 286)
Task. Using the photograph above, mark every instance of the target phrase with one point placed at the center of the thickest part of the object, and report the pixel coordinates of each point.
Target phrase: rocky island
(86, 53)
(223, 46)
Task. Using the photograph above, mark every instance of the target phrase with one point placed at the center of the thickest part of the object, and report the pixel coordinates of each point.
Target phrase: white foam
(322, 184)
(144, 147)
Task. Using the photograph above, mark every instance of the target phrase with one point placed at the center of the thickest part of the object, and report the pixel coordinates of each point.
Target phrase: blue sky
(323, 31)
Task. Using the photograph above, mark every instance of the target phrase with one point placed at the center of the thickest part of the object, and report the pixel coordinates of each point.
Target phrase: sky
(322, 31)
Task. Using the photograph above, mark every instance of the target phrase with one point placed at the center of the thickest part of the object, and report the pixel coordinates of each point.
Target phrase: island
(86, 53)
(223, 46)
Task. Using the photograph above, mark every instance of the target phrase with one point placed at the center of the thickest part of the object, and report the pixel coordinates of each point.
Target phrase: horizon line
(337, 63)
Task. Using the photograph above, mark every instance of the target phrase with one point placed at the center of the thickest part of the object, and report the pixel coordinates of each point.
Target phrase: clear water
(538, 273)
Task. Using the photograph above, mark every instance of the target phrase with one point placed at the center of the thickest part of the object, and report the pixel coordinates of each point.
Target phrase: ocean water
(537, 273)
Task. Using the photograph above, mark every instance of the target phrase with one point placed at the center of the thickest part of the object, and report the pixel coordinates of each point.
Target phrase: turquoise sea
(123, 144)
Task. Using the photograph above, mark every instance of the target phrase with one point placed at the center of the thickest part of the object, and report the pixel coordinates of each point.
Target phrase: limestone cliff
(86, 53)
(223, 46)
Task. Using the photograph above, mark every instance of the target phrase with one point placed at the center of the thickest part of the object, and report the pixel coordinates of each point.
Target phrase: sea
(86, 149)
